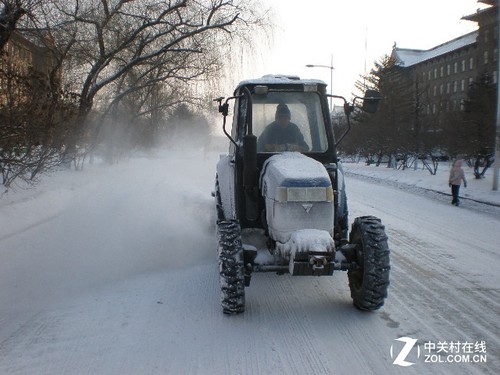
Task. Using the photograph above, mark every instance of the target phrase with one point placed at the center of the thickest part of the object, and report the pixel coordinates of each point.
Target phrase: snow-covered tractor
(280, 194)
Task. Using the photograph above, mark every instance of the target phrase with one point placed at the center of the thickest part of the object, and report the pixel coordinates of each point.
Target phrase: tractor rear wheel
(370, 280)
(231, 266)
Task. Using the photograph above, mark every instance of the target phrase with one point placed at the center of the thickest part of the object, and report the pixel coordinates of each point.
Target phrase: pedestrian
(456, 176)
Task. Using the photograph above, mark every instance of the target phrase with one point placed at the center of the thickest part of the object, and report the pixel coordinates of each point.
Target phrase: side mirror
(371, 100)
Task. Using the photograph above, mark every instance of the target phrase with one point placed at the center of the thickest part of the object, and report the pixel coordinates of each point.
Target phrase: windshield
(289, 121)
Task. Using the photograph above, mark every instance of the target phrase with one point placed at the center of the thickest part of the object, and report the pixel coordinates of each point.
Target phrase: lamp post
(496, 150)
(331, 76)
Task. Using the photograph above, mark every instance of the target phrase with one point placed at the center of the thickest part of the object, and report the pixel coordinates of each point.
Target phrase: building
(25, 67)
(30, 91)
(441, 76)
(487, 39)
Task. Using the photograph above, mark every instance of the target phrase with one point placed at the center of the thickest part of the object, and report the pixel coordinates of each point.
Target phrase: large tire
(231, 266)
(370, 280)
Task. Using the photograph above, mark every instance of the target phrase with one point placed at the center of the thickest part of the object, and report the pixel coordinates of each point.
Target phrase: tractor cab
(283, 114)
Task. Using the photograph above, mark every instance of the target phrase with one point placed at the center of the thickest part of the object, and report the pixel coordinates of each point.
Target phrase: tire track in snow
(316, 330)
(290, 334)
(454, 312)
(29, 227)
(488, 208)
(442, 284)
(436, 277)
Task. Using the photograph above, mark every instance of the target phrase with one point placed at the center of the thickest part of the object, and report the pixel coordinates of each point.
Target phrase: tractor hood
(298, 195)
(292, 176)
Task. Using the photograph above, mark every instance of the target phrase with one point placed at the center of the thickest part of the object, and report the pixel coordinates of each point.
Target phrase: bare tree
(11, 12)
(168, 40)
(111, 60)
(30, 124)
(33, 108)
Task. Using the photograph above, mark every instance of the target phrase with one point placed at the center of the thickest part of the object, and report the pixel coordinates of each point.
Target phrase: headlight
(304, 194)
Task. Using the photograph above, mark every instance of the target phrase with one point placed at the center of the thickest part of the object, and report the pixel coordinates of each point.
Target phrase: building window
(448, 86)
(441, 72)
(435, 73)
(485, 57)
(455, 67)
(463, 65)
(441, 89)
(448, 69)
(471, 80)
(462, 85)
(435, 90)
(455, 86)
(471, 63)
(429, 75)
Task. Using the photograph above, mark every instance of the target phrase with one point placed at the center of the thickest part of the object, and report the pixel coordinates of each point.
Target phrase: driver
(281, 134)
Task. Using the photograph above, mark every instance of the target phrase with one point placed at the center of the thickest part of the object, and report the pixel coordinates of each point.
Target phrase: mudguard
(225, 181)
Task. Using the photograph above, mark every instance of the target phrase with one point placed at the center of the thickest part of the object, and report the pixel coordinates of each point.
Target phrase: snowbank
(479, 190)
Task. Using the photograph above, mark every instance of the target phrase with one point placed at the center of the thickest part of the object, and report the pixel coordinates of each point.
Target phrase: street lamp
(331, 76)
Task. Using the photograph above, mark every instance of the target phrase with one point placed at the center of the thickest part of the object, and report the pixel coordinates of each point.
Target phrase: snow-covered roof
(409, 57)
(481, 12)
(276, 79)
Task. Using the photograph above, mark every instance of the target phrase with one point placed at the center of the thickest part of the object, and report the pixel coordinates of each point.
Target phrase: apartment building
(442, 75)
(25, 66)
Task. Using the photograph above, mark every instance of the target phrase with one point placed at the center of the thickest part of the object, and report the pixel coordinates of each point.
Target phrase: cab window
(289, 122)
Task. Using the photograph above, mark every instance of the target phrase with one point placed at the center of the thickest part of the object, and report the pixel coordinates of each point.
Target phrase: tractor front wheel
(231, 266)
(370, 279)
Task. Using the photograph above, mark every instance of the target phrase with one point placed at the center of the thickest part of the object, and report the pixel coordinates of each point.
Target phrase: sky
(354, 34)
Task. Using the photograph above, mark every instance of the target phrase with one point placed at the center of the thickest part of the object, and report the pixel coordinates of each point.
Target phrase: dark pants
(455, 190)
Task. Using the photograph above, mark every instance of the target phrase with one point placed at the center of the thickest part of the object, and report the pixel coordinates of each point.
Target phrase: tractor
(280, 195)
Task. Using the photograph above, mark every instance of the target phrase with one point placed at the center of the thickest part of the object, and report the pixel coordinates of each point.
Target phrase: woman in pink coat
(456, 176)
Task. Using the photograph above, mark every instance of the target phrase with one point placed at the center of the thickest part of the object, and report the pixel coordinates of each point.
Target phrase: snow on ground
(477, 189)
(113, 271)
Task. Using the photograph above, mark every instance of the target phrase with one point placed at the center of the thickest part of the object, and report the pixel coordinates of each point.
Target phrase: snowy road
(114, 272)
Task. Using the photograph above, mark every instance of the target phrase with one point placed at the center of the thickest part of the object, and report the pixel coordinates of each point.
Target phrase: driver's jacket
(274, 134)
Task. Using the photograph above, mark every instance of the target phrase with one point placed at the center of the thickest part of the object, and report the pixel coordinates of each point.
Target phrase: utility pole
(496, 164)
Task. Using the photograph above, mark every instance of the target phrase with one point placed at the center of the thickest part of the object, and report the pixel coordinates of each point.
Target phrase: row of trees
(118, 70)
(401, 131)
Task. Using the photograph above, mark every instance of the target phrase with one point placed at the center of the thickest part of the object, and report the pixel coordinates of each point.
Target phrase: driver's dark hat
(282, 110)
